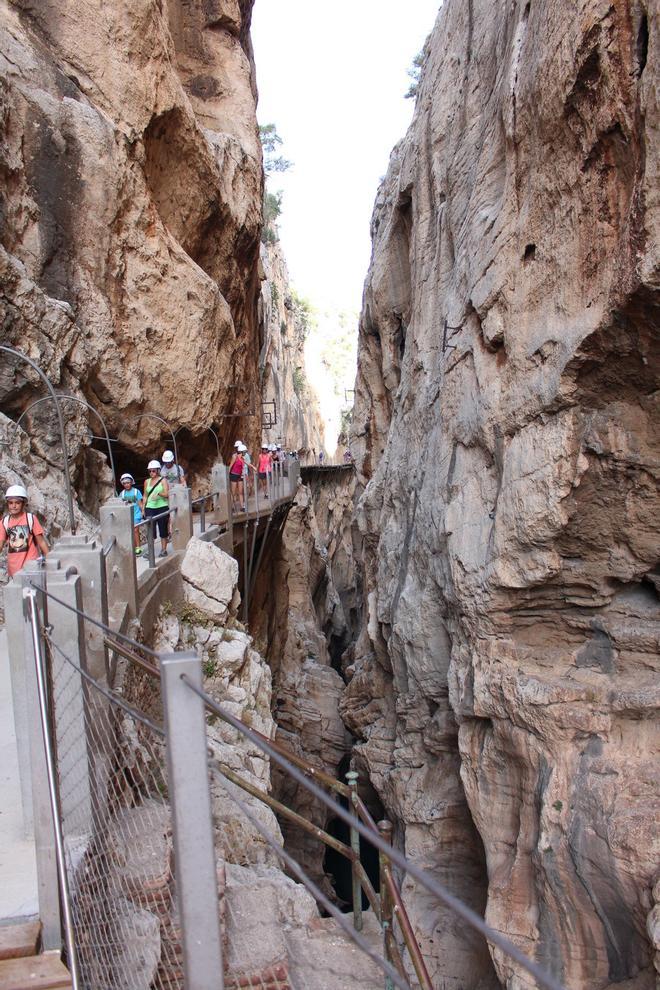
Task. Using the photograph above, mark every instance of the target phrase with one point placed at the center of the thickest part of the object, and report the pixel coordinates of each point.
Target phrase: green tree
(272, 204)
(415, 72)
(270, 143)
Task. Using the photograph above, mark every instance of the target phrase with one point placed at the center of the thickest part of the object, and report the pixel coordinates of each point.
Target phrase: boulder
(209, 578)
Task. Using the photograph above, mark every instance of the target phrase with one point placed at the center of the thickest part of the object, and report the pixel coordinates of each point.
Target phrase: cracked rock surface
(505, 689)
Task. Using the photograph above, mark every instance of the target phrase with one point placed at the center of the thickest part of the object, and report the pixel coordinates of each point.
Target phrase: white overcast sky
(331, 77)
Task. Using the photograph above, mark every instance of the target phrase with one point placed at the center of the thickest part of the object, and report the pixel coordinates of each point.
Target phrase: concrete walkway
(18, 865)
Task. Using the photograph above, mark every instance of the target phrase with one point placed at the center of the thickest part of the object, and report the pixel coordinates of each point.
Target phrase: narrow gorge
(467, 614)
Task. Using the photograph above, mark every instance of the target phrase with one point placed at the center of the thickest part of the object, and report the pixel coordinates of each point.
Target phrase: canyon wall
(131, 202)
(505, 687)
(291, 409)
(303, 615)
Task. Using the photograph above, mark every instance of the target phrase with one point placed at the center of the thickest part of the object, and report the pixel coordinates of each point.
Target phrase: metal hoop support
(210, 430)
(60, 420)
(160, 419)
(83, 402)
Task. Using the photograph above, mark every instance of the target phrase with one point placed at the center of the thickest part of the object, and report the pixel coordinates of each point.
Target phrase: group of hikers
(241, 465)
(153, 501)
(24, 534)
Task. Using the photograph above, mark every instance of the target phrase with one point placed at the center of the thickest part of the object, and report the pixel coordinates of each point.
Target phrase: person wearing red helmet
(21, 530)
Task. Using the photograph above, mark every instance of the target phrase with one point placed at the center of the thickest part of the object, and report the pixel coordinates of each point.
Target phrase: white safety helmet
(238, 443)
(16, 491)
(241, 448)
(127, 477)
(272, 447)
(153, 466)
(168, 457)
(264, 446)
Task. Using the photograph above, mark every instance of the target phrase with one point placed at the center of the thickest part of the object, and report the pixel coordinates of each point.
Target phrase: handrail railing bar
(432, 885)
(364, 813)
(51, 776)
(316, 892)
(286, 812)
(95, 622)
(412, 944)
(151, 519)
(133, 657)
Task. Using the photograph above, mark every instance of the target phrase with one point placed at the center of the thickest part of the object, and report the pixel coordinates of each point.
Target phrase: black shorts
(263, 474)
(162, 523)
(235, 477)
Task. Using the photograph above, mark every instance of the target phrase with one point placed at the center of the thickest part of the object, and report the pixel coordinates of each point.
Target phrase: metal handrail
(149, 523)
(399, 911)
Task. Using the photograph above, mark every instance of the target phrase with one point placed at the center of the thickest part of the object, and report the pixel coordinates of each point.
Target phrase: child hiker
(21, 530)
(131, 493)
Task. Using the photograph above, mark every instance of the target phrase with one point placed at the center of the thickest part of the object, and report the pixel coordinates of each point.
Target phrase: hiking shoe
(163, 553)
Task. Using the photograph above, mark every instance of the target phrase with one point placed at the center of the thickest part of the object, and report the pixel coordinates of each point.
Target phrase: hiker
(174, 475)
(321, 456)
(131, 493)
(21, 530)
(171, 471)
(263, 469)
(156, 502)
(236, 467)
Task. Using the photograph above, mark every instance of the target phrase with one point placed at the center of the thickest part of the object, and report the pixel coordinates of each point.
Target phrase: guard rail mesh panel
(117, 831)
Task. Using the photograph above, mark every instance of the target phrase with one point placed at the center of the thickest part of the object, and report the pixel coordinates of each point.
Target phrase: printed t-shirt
(21, 544)
(172, 474)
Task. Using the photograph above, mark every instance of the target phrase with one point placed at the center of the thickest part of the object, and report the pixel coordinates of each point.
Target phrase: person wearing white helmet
(236, 468)
(264, 468)
(172, 471)
(21, 530)
(156, 502)
(131, 493)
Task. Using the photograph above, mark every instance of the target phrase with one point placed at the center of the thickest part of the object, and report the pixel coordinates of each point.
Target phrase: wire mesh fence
(117, 829)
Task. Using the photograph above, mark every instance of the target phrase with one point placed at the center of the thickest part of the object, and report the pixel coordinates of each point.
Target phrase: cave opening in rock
(337, 866)
(642, 44)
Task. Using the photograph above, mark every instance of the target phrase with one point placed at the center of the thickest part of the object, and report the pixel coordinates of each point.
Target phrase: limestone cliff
(303, 615)
(131, 214)
(505, 690)
(295, 419)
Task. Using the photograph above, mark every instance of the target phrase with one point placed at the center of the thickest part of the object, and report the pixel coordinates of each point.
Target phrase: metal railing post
(385, 829)
(352, 778)
(202, 516)
(30, 598)
(151, 552)
(192, 824)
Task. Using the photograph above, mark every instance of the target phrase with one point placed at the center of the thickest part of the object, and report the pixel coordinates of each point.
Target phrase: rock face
(295, 416)
(131, 205)
(506, 673)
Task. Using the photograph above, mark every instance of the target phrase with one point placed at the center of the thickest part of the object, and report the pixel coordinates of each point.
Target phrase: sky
(332, 78)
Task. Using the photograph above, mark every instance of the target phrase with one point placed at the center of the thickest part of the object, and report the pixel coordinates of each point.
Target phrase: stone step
(44, 972)
(19, 939)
